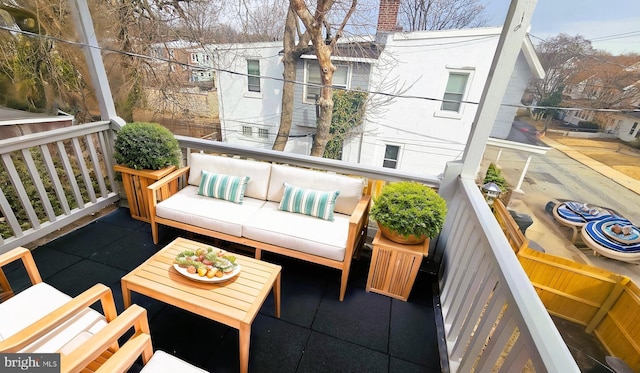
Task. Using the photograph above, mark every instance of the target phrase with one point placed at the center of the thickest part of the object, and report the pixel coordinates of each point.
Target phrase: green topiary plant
(494, 175)
(142, 145)
(410, 208)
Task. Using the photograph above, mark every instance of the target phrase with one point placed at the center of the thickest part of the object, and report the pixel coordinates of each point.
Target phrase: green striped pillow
(230, 188)
(308, 201)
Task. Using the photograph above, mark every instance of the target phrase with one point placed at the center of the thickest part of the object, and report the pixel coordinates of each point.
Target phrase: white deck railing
(492, 315)
(57, 176)
(493, 318)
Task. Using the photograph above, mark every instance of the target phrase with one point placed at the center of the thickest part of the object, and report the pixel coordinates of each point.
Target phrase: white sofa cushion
(36, 302)
(350, 188)
(299, 232)
(219, 215)
(162, 362)
(258, 172)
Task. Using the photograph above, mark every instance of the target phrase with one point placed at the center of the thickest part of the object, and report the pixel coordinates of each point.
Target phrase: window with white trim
(312, 75)
(194, 57)
(633, 128)
(454, 92)
(247, 131)
(253, 78)
(263, 133)
(391, 156)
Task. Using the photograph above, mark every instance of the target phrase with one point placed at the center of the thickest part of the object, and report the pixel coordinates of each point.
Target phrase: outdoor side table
(394, 267)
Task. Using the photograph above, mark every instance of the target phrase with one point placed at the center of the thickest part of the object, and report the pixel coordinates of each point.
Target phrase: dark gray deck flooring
(367, 332)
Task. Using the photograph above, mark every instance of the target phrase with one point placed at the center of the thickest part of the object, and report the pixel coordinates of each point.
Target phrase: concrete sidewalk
(613, 174)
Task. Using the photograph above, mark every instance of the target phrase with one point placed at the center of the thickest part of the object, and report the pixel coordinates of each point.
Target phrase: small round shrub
(142, 145)
(410, 208)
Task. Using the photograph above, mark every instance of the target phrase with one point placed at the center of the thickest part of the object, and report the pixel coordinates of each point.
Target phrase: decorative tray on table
(207, 265)
(631, 238)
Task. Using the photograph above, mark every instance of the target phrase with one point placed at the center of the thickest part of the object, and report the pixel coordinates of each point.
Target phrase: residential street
(556, 175)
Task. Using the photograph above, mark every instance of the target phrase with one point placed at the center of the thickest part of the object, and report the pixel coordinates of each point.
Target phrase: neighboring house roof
(12, 116)
(366, 51)
(15, 123)
(532, 58)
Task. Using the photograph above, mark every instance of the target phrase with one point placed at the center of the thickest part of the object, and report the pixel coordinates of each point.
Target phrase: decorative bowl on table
(206, 265)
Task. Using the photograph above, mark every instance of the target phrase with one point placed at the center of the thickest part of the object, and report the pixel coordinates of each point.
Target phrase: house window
(253, 70)
(391, 153)
(312, 75)
(263, 133)
(171, 55)
(194, 57)
(633, 128)
(247, 131)
(454, 92)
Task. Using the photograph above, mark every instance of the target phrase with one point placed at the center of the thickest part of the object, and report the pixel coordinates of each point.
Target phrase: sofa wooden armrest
(163, 189)
(97, 293)
(19, 253)
(102, 353)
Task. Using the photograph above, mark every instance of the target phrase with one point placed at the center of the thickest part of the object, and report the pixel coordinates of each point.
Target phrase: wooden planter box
(135, 183)
(394, 267)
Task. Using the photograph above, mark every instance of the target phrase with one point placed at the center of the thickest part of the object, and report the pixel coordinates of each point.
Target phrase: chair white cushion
(71, 334)
(299, 232)
(29, 306)
(219, 215)
(162, 362)
(36, 302)
(258, 172)
(350, 188)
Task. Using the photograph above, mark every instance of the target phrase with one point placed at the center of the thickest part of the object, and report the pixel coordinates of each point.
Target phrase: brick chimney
(388, 16)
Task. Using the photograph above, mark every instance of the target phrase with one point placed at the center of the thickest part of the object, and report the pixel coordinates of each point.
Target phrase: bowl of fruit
(206, 264)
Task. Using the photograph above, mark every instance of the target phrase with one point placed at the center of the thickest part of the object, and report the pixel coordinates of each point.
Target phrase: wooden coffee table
(235, 302)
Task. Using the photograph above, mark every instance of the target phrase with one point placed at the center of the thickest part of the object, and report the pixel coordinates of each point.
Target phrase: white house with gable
(438, 77)
(424, 88)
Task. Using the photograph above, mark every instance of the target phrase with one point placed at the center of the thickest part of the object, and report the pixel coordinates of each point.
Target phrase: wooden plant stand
(394, 267)
(135, 183)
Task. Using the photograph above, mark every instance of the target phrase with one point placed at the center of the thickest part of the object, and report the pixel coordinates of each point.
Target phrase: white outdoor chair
(43, 319)
(101, 353)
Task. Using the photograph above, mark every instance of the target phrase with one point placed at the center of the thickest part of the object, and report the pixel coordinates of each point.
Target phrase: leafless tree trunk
(314, 24)
(292, 53)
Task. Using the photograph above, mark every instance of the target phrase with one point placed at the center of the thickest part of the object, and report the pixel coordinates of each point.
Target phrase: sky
(612, 25)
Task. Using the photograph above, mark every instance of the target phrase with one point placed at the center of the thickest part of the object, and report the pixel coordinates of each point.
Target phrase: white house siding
(420, 62)
(627, 131)
(238, 106)
(512, 98)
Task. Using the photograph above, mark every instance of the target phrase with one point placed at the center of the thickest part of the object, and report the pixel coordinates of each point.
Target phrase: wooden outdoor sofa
(260, 220)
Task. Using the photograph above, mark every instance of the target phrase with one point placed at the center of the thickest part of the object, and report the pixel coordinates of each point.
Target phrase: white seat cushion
(36, 302)
(162, 362)
(69, 335)
(299, 232)
(29, 306)
(219, 215)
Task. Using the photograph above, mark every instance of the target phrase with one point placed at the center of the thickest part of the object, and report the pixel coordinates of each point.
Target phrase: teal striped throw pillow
(230, 188)
(311, 202)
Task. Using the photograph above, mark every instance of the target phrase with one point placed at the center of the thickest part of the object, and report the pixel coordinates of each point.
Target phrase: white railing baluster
(37, 181)
(55, 180)
(493, 318)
